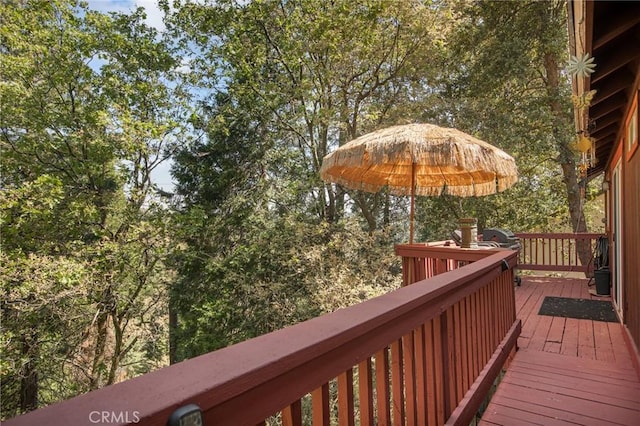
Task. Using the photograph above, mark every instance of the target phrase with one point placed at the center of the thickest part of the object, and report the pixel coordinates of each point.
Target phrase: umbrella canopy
(421, 159)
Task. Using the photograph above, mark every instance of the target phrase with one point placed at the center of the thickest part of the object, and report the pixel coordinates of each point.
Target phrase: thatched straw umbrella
(420, 159)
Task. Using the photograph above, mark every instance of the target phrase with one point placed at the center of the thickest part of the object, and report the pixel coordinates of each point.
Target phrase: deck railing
(425, 354)
(557, 252)
(421, 261)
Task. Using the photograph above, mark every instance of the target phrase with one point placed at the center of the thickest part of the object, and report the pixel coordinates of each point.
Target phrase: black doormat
(596, 310)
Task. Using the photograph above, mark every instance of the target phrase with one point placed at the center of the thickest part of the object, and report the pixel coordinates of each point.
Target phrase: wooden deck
(567, 371)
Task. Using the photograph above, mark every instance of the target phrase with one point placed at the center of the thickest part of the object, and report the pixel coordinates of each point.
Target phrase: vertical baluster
(495, 313)
(409, 378)
(573, 248)
(440, 396)
(449, 367)
(475, 327)
(292, 415)
(431, 355)
(420, 359)
(507, 281)
(481, 329)
(422, 270)
(512, 303)
(431, 267)
(406, 270)
(547, 251)
(365, 393)
(382, 388)
(320, 403)
(464, 348)
(484, 311)
(345, 398)
(470, 346)
(397, 383)
(457, 352)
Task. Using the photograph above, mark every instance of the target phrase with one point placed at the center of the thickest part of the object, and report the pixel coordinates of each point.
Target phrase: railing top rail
(443, 252)
(560, 235)
(268, 372)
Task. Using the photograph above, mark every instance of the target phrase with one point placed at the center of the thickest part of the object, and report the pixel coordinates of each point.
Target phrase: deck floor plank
(567, 371)
(569, 345)
(566, 401)
(582, 388)
(620, 351)
(543, 414)
(586, 343)
(604, 349)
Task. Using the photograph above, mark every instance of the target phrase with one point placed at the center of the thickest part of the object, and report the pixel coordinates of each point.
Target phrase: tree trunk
(331, 208)
(173, 326)
(98, 365)
(366, 212)
(29, 379)
(387, 209)
(566, 156)
(117, 349)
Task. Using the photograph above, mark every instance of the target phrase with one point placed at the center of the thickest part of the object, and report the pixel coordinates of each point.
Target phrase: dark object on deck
(603, 280)
(503, 237)
(601, 272)
(596, 310)
(601, 253)
(186, 415)
(494, 238)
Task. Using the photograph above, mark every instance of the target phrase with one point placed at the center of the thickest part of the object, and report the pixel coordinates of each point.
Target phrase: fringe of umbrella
(383, 159)
(465, 190)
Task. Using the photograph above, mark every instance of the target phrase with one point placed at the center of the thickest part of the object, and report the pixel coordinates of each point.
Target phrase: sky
(154, 14)
(161, 176)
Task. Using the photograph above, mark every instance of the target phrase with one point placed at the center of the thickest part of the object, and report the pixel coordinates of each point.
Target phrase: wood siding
(631, 235)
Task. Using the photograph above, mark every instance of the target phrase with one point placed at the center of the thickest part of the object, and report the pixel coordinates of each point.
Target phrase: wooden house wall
(631, 231)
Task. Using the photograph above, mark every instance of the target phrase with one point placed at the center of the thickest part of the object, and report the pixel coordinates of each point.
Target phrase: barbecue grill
(504, 238)
(494, 238)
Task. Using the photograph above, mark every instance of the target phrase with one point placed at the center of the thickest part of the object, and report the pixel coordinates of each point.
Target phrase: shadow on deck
(566, 371)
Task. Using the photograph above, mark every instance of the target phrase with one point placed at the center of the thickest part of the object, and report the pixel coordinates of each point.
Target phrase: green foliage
(46, 303)
(299, 79)
(89, 110)
(314, 75)
(498, 87)
(238, 283)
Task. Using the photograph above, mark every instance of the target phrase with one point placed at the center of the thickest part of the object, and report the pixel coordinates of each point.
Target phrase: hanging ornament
(582, 170)
(584, 144)
(581, 67)
(583, 101)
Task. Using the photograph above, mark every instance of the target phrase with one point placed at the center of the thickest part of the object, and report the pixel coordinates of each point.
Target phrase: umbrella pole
(413, 196)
